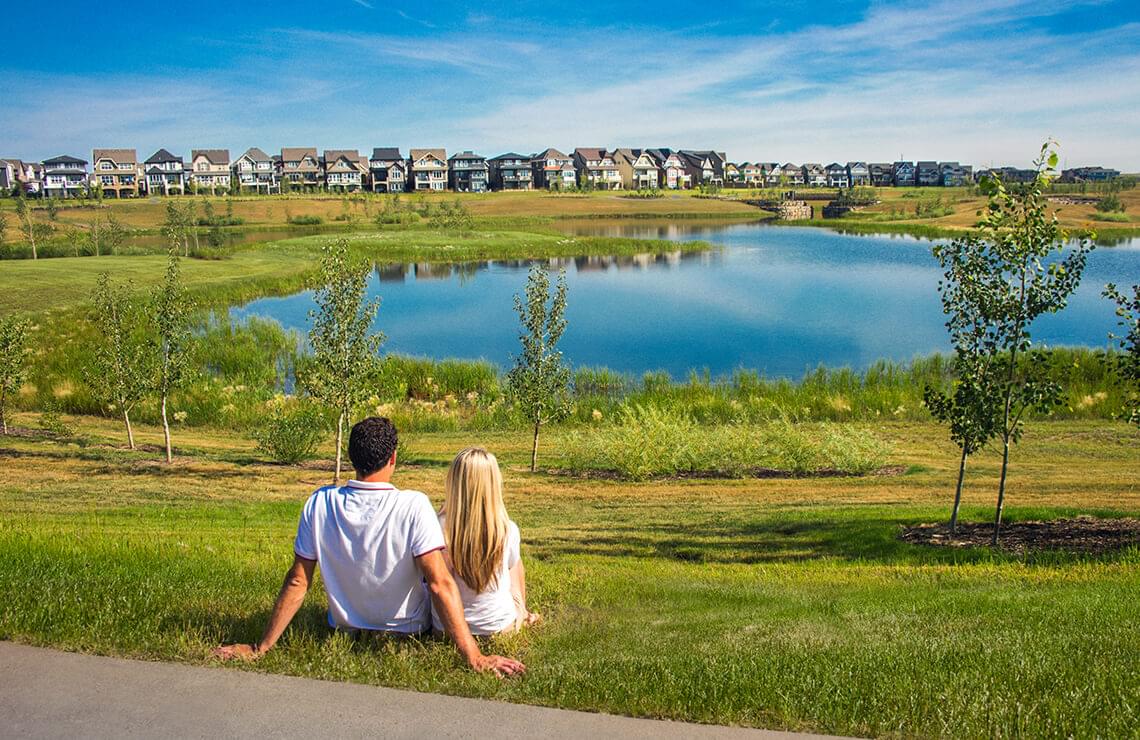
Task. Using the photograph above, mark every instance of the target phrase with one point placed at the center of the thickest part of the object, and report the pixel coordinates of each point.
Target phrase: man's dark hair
(371, 444)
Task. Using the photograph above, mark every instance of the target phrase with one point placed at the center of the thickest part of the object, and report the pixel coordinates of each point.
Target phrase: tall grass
(647, 442)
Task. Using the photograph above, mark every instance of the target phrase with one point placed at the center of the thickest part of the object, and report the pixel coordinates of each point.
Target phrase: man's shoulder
(412, 499)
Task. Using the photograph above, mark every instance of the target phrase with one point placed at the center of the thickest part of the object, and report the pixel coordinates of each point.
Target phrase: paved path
(47, 693)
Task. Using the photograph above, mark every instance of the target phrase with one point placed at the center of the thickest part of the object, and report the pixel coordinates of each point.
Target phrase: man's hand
(244, 651)
(500, 666)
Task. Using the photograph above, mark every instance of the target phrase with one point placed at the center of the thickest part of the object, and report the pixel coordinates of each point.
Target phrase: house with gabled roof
(300, 167)
(116, 172)
(255, 171)
(427, 169)
(671, 171)
(955, 175)
(65, 176)
(553, 170)
(210, 169)
(837, 175)
(345, 170)
(596, 168)
(511, 171)
(815, 176)
(704, 166)
(882, 174)
(638, 169)
(1089, 174)
(468, 172)
(927, 174)
(16, 175)
(388, 170)
(858, 174)
(904, 174)
(732, 173)
(163, 174)
(791, 175)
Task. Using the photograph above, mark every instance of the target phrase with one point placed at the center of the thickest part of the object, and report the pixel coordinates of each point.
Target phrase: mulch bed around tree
(1084, 535)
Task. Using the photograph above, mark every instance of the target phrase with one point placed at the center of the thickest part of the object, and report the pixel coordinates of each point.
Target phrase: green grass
(780, 603)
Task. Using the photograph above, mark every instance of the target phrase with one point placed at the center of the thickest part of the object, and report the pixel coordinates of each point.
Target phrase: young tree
(14, 352)
(121, 366)
(344, 350)
(539, 380)
(1020, 269)
(52, 210)
(3, 228)
(1128, 362)
(27, 223)
(172, 324)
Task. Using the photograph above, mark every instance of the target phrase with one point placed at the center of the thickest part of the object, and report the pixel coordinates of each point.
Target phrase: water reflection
(401, 272)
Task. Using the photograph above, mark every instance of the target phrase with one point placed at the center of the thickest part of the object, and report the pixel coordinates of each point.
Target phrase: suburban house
(752, 174)
(706, 167)
(732, 173)
(671, 169)
(116, 171)
(596, 168)
(255, 170)
(791, 174)
(815, 176)
(511, 171)
(1009, 174)
(16, 173)
(952, 174)
(65, 177)
(882, 174)
(428, 169)
(1089, 174)
(344, 170)
(388, 170)
(163, 174)
(553, 170)
(300, 167)
(837, 176)
(858, 174)
(210, 169)
(903, 174)
(770, 172)
(468, 172)
(638, 169)
(927, 174)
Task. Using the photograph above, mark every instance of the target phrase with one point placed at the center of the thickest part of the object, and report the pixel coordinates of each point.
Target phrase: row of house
(120, 174)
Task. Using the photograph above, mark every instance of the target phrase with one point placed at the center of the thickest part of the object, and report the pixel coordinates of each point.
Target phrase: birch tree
(120, 372)
(172, 325)
(539, 381)
(345, 351)
(1128, 361)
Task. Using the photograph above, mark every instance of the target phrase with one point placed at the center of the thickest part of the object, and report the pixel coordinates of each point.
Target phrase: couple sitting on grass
(392, 566)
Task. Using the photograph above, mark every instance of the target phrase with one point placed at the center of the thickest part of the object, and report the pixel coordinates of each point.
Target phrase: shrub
(306, 220)
(52, 422)
(1110, 204)
(290, 434)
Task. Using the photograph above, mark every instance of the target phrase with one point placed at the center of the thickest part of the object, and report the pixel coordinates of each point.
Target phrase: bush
(1116, 218)
(1110, 204)
(51, 421)
(290, 434)
(306, 220)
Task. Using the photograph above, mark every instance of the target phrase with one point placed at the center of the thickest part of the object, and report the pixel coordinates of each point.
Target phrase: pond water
(777, 299)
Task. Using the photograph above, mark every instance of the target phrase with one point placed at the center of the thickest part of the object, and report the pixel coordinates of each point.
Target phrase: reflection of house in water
(394, 273)
(592, 264)
(430, 271)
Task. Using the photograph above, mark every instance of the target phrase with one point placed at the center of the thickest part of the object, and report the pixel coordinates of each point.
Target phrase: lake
(777, 299)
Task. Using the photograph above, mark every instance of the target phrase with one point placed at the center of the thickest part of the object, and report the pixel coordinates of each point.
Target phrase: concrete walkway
(47, 693)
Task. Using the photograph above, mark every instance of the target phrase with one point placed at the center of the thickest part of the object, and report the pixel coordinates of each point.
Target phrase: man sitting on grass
(376, 546)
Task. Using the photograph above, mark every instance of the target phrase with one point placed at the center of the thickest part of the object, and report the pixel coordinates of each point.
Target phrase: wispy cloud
(363, 3)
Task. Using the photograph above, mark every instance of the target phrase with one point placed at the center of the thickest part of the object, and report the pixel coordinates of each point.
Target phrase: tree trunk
(534, 447)
(1001, 491)
(130, 432)
(339, 446)
(3, 407)
(166, 431)
(958, 493)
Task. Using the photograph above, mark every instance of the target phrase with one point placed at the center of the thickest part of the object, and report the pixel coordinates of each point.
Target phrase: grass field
(772, 603)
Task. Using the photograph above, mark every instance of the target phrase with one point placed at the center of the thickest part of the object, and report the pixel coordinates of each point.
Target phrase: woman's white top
(493, 610)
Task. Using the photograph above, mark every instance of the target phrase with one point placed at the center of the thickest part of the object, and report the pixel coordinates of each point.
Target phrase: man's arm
(289, 599)
(446, 600)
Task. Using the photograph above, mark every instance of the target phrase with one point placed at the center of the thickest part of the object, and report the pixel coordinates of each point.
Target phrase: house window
(126, 166)
(107, 179)
(106, 166)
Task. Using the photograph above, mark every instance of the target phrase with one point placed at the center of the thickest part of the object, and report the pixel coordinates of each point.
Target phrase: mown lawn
(773, 603)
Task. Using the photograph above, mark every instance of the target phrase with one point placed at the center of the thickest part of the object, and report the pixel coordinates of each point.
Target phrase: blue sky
(982, 82)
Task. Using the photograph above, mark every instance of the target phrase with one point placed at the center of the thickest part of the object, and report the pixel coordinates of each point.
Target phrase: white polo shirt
(365, 538)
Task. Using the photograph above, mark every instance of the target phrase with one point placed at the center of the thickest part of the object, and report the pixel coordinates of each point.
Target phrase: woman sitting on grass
(483, 546)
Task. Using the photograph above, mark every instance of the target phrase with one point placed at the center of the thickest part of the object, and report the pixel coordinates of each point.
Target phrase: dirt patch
(890, 470)
(1084, 535)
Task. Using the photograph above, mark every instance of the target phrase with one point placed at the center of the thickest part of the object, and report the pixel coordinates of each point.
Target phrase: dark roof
(162, 156)
(509, 155)
(465, 155)
(256, 155)
(160, 171)
(64, 159)
(387, 152)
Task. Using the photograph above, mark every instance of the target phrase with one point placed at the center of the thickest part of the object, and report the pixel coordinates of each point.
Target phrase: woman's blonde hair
(475, 518)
